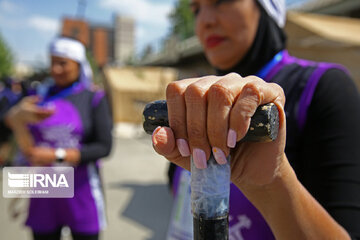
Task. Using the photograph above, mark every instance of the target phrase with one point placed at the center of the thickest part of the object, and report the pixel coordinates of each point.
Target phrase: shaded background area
(149, 206)
(137, 196)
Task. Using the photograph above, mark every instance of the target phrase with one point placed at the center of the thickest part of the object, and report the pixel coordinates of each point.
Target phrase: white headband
(68, 48)
(74, 50)
(276, 9)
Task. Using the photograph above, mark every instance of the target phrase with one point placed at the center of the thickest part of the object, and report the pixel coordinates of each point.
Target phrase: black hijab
(270, 39)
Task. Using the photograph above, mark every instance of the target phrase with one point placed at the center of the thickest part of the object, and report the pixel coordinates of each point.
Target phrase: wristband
(60, 154)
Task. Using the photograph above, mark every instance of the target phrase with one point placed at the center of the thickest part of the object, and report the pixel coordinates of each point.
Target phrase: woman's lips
(213, 41)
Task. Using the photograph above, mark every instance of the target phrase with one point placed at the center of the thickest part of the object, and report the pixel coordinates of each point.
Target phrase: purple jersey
(81, 120)
(298, 78)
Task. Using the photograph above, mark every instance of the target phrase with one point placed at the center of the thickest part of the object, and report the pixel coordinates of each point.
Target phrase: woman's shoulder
(92, 92)
(319, 78)
(336, 83)
(87, 95)
(336, 95)
(98, 95)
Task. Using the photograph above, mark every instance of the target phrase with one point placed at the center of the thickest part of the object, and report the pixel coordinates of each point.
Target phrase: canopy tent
(131, 88)
(325, 38)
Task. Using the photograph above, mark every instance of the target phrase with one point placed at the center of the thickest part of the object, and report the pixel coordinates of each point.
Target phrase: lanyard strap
(269, 66)
(61, 94)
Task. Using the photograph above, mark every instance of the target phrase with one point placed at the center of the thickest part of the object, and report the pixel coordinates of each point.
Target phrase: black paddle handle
(264, 125)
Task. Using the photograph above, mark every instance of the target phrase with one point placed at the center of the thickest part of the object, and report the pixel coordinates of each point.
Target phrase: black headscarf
(270, 39)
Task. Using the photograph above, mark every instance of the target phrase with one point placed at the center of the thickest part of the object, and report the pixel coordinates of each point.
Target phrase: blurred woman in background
(67, 123)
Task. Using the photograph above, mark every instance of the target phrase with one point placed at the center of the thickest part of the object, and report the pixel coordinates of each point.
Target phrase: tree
(98, 77)
(182, 20)
(147, 51)
(6, 59)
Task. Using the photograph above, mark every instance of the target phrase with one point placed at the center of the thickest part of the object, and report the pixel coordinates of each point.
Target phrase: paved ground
(138, 200)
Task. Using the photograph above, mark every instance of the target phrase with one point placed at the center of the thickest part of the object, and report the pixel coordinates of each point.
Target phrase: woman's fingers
(177, 113)
(164, 144)
(42, 113)
(196, 118)
(186, 101)
(30, 100)
(30, 112)
(221, 97)
(211, 114)
(254, 93)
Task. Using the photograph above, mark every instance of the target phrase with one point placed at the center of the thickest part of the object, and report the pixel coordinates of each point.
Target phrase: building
(107, 43)
(76, 28)
(124, 39)
(101, 43)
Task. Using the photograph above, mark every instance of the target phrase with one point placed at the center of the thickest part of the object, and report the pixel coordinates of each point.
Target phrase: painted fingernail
(183, 147)
(199, 157)
(155, 131)
(219, 155)
(158, 134)
(231, 138)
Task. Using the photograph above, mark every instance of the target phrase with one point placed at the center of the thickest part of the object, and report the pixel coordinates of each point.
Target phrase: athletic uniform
(323, 114)
(81, 120)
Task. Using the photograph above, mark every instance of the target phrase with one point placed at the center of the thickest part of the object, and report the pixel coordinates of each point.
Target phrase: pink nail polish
(183, 147)
(219, 155)
(155, 131)
(199, 158)
(159, 135)
(231, 138)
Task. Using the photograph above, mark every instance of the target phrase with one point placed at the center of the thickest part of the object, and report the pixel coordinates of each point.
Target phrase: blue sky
(29, 25)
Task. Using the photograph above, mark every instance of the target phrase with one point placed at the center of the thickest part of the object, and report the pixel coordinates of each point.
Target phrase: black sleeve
(171, 173)
(5, 106)
(5, 132)
(331, 157)
(101, 141)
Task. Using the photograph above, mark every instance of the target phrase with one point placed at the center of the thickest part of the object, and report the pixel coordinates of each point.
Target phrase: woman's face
(64, 71)
(226, 29)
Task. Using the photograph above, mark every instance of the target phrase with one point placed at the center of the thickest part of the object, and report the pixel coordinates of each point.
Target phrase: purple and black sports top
(323, 115)
(81, 120)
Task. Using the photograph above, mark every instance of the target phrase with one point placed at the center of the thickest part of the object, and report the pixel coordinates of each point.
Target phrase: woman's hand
(23, 113)
(41, 156)
(27, 111)
(213, 114)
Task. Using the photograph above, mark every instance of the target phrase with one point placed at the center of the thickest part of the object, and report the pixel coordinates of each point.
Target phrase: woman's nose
(56, 68)
(207, 16)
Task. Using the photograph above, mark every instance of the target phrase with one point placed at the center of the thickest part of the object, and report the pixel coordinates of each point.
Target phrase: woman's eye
(218, 2)
(194, 9)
